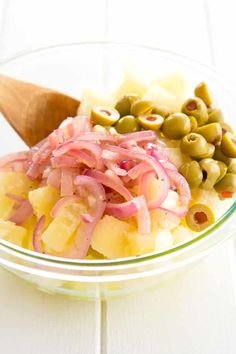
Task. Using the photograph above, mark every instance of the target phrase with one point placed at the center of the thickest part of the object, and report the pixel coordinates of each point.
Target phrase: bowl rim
(173, 251)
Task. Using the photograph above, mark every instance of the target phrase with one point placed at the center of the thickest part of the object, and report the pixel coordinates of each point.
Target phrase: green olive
(223, 170)
(199, 217)
(201, 91)
(232, 167)
(127, 124)
(227, 183)
(194, 145)
(151, 121)
(194, 125)
(176, 126)
(226, 128)
(212, 132)
(218, 155)
(209, 154)
(123, 106)
(161, 110)
(141, 107)
(215, 115)
(228, 145)
(104, 115)
(196, 107)
(192, 173)
(211, 173)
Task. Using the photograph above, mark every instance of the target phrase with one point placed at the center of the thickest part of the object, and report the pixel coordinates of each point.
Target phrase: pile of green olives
(131, 114)
(209, 142)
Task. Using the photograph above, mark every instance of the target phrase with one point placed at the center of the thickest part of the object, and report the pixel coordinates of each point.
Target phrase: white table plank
(33, 322)
(190, 315)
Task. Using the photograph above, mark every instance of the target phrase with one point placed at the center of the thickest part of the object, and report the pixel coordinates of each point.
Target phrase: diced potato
(130, 84)
(139, 244)
(109, 237)
(181, 234)
(29, 225)
(58, 234)
(171, 200)
(16, 183)
(174, 82)
(162, 220)
(92, 98)
(43, 200)
(12, 233)
(164, 240)
(161, 96)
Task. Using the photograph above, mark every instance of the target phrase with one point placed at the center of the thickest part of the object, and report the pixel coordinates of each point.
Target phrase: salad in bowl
(138, 171)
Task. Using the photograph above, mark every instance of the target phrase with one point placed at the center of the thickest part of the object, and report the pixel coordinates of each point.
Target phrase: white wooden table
(195, 314)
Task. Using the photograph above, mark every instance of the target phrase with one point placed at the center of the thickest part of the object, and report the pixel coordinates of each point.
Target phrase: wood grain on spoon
(34, 111)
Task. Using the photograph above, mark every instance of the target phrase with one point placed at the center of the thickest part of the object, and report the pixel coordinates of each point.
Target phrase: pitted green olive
(228, 145)
(194, 145)
(212, 132)
(123, 106)
(223, 170)
(215, 115)
(192, 173)
(194, 125)
(211, 173)
(127, 124)
(151, 121)
(196, 107)
(202, 91)
(141, 107)
(218, 155)
(210, 152)
(104, 115)
(199, 217)
(232, 167)
(227, 183)
(176, 126)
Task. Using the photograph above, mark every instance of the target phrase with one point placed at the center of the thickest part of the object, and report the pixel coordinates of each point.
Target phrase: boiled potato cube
(161, 96)
(130, 84)
(29, 225)
(109, 237)
(16, 183)
(43, 200)
(174, 82)
(92, 98)
(12, 233)
(181, 234)
(59, 232)
(164, 240)
(139, 244)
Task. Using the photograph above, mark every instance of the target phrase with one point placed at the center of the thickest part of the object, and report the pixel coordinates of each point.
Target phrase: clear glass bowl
(71, 68)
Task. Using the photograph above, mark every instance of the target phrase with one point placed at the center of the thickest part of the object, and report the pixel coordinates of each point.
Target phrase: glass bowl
(71, 68)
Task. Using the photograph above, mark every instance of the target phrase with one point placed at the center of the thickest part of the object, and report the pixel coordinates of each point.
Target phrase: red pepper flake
(226, 194)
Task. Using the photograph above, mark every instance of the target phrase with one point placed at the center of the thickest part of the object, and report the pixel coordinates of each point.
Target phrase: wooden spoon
(34, 111)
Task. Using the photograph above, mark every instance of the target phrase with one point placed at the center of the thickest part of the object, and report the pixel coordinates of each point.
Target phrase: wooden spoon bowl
(34, 111)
